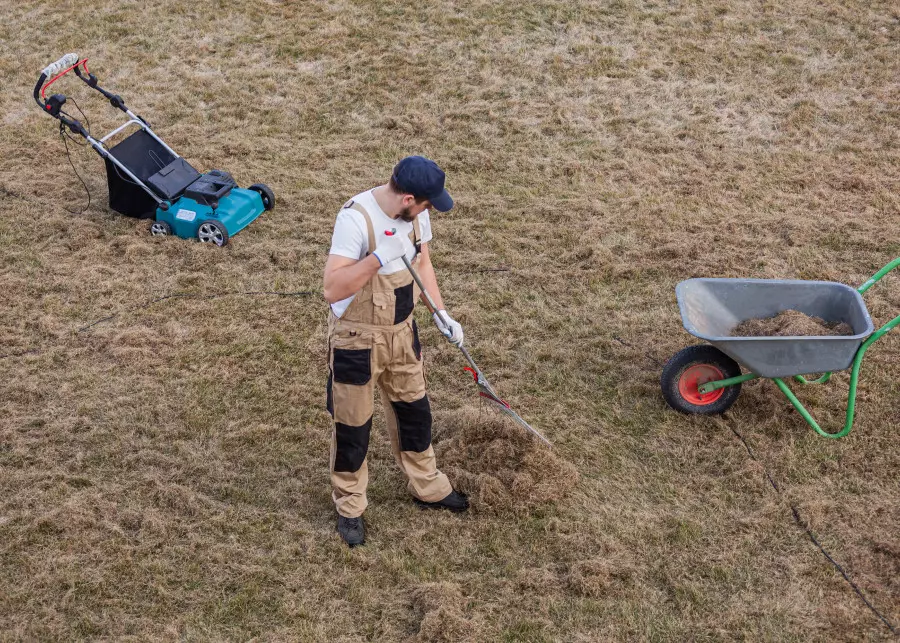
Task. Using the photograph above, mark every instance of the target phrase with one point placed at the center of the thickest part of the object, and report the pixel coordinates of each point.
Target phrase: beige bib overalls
(376, 341)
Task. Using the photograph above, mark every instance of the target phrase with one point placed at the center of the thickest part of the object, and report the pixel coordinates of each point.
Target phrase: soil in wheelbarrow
(498, 464)
(790, 323)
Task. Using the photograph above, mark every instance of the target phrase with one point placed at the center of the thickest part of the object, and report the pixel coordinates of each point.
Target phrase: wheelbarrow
(706, 379)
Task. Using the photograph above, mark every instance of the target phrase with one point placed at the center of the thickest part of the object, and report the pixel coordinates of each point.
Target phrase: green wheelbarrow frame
(716, 385)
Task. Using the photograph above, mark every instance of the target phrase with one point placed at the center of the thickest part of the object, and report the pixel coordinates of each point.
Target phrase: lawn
(164, 472)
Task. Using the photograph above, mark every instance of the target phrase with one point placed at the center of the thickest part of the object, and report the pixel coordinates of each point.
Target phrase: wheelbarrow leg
(851, 397)
(851, 410)
(821, 380)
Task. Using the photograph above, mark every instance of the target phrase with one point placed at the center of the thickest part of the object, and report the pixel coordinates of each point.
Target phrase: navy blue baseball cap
(422, 178)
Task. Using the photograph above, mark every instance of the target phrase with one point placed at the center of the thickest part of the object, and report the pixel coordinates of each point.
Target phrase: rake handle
(479, 378)
(432, 307)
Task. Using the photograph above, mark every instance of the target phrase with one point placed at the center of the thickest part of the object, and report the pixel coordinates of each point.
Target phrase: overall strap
(417, 233)
(353, 205)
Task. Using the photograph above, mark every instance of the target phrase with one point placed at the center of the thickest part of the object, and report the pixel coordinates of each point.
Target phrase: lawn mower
(706, 379)
(147, 179)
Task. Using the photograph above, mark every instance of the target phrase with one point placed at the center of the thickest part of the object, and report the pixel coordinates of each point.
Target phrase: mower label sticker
(186, 215)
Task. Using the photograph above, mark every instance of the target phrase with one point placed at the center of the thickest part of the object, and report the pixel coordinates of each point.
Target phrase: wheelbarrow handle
(854, 373)
(878, 276)
(894, 323)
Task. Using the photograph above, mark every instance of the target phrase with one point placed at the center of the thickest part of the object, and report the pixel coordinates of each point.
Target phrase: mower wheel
(160, 229)
(690, 368)
(212, 232)
(268, 197)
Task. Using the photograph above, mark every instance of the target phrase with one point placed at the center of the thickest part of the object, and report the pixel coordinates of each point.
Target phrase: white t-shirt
(351, 236)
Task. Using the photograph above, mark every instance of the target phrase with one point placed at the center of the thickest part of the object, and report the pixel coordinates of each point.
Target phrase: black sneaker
(352, 530)
(456, 501)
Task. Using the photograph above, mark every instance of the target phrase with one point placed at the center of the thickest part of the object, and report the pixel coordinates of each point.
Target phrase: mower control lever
(91, 81)
(54, 105)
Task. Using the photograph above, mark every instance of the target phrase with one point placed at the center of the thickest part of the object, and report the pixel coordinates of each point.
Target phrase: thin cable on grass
(69, 156)
(179, 295)
(6, 192)
(32, 351)
(647, 353)
(805, 526)
(187, 295)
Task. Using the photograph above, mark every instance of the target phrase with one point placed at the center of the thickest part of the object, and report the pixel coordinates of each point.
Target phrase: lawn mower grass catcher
(706, 379)
(147, 179)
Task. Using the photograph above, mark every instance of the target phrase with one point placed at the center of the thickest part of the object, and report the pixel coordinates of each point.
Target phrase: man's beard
(407, 216)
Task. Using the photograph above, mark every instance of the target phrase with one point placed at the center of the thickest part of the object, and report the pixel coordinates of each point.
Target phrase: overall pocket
(351, 358)
(383, 307)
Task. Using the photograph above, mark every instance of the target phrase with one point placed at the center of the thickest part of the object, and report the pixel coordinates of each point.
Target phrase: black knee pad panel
(414, 424)
(352, 445)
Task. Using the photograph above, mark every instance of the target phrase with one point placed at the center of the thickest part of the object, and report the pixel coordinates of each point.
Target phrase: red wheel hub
(695, 376)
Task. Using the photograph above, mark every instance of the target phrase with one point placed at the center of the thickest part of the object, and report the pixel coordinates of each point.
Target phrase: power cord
(177, 295)
(64, 134)
(187, 295)
(795, 513)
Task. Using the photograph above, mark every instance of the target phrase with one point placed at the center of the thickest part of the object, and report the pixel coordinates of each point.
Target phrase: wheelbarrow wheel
(690, 368)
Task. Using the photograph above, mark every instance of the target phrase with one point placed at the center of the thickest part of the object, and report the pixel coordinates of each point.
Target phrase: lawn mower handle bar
(49, 71)
(114, 99)
(54, 105)
(60, 68)
(69, 60)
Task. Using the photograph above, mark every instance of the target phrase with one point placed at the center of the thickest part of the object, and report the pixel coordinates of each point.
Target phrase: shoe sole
(421, 504)
(349, 544)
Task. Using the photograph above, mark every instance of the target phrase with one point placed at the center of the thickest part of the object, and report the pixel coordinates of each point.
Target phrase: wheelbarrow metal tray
(711, 308)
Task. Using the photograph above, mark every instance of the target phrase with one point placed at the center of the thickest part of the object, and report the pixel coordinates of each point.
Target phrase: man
(372, 338)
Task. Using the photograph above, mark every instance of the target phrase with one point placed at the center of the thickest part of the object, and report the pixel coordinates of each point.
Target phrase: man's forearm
(349, 280)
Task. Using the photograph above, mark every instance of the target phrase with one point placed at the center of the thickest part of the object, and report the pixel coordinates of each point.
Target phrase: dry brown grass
(163, 474)
(501, 466)
(790, 323)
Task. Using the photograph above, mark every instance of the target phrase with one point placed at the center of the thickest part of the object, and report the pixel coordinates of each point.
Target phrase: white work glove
(452, 330)
(390, 248)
